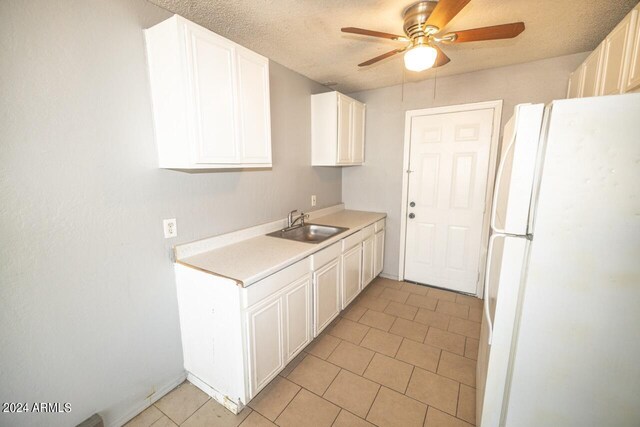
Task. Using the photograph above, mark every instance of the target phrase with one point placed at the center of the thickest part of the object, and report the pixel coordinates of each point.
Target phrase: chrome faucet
(291, 221)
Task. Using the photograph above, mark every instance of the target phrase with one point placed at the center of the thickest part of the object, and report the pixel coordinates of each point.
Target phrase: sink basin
(309, 233)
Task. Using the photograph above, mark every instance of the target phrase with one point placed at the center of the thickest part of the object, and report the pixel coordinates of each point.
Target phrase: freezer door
(515, 176)
(505, 265)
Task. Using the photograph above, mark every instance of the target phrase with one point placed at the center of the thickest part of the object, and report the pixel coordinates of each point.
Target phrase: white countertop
(253, 259)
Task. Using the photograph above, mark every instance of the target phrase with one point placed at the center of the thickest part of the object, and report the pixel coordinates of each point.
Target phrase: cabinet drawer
(274, 283)
(379, 226)
(321, 258)
(353, 240)
(368, 231)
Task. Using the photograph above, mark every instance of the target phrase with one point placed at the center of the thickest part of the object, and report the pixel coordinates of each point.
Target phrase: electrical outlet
(170, 228)
(313, 200)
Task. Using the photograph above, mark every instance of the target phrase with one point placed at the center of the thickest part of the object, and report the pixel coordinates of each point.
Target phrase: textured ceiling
(304, 35)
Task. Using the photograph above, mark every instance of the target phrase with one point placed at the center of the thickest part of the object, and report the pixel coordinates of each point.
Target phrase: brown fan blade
(441, 59)
(381, 57)
(371, 33)
(444, 12)
(505, 31)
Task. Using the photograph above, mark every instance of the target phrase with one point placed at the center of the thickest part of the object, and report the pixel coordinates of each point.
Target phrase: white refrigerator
(560, 337)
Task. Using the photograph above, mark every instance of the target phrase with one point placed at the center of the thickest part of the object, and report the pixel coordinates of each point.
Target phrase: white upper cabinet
(614, 66)
(210, 99)
(337, 130)
(633, 76)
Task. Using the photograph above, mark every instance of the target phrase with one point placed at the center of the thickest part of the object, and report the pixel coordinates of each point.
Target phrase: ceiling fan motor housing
(415, 17)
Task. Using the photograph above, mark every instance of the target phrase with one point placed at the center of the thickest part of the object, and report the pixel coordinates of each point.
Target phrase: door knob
(412, 204)
(412, 215)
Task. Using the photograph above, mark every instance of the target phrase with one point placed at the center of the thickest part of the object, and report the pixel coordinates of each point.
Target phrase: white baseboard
(234, 407)
(141, 405)
(389, 276)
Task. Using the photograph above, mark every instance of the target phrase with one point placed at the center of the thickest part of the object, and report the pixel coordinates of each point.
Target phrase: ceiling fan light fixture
(420, 57)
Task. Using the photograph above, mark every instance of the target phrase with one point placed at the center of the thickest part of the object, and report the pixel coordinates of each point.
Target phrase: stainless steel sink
(309, 233)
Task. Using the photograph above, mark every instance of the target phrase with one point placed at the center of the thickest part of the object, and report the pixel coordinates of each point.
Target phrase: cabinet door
(367, 261)
(344, 129)
(615, 57)
(592, 72)
(253, 109)
(575, 83)
(633, 79)
(297, 316)
(211, 63)
(265, 342)
(326, 290)
(351, 274)
(379, 253)
(357, 132)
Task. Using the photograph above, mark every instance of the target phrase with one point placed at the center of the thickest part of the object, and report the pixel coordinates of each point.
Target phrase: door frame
(493, 160)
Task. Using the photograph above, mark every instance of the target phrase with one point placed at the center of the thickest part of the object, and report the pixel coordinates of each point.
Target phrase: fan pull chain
(435, 80)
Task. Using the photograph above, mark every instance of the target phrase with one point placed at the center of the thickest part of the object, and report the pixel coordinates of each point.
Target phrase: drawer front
(323, 257)
(353, 240)
(274, 283)
(379, 225)
(368, 231)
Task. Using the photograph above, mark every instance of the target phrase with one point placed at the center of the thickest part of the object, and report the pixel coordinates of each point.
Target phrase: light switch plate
(313, 200)
(170, 228)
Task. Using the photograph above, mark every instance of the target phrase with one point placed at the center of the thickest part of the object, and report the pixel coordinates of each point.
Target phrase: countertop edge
(268, 272)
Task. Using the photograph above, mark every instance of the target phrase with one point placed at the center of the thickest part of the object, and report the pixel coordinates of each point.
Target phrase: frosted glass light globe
(420, 58)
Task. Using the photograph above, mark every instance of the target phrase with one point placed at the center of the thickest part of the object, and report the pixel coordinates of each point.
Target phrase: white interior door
(449, 160)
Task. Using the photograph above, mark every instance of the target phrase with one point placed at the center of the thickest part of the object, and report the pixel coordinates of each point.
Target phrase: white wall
(377, 185)
(88, 310)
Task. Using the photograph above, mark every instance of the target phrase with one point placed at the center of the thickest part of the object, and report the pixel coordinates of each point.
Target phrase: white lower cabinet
(351, 274)
(327, 282)
(236, 339)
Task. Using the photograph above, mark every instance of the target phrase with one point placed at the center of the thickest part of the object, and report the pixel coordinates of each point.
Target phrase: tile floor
(400, 355)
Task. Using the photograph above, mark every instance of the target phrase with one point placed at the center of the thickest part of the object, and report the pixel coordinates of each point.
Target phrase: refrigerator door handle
(487, 275)
(498, 181)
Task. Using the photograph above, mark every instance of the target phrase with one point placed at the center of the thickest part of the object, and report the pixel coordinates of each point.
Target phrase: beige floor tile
(256, 420)
(445, 340)
(396, 295)
(377, 320)
(471, 349)
(458, 368)
(418, 354)
(145, 418)
(352, 392)
(307, 409)
(323, 346)
(434, 390)
(372, 303)
(274, 397)
(394, 284)
(413, 288)
(453, 309)
(467, 404)
(409, 329)
(423, 301)
(164, 421)
(382, 342)
(292, 365)
(443, 295)
(464, 327)
(437, 418)
(392, 409)
(347, 419)
(401, 310)
(181, 402)
(432, 318)
(389, 372)
(475, 314)
(351, 357)
(349, 330)
(214, 414)
(469, 300)
(374, 289)
(314, 374)
(354, 312)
